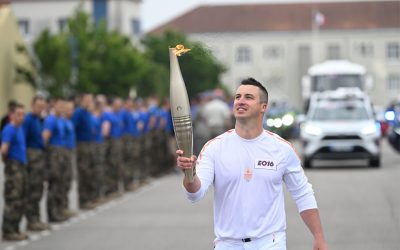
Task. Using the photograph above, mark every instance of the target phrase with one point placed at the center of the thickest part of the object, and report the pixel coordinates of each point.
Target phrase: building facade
(36, 15)
(277, 43)
(10, 59)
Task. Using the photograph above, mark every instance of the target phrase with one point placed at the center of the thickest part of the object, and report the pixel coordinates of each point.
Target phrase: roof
(4, 2)
(286, 17)
(334, 67)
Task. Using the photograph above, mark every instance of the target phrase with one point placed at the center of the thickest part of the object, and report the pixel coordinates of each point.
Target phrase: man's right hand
(184, 162)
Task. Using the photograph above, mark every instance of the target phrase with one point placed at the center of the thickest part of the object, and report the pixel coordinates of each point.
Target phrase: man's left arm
(303, 194)
(312, 220)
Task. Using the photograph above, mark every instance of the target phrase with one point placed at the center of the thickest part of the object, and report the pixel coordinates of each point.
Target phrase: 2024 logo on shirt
(265, 164)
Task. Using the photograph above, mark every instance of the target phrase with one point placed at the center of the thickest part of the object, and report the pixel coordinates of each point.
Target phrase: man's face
(247, 103)
(69, 109)
(38, 106)
(18, 116)
(87, 100)
(59, 107)
(117, 104)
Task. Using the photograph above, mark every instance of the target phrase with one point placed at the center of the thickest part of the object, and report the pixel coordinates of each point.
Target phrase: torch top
(180, 50)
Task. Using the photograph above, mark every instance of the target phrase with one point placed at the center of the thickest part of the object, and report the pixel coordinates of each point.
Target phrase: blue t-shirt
(117, 124)
(56, 126)
(70, 140)
(15, 137)
(130, 123)
(166, 115)
(84, 126)
(33, 128)
(98, 127)
(144, 117)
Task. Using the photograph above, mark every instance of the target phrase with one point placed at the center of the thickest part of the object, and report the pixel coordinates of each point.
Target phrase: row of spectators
(115, 146)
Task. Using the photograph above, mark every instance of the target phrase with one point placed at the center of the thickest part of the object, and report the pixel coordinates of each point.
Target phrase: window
(334, 52)
(394, 83)
(364, 49)
(243, 55)
(273, 52)
(24, 27)
(393, 51)
(99, 10)
(62, 24)
(136, 27)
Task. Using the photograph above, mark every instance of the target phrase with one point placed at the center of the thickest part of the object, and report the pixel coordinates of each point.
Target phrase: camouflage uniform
(99, 164)
(14, 195)
(58, 167)
(127, 162)
(36, 174)
(136, 158)
(87, 179)
(113, 165)
(67, 177)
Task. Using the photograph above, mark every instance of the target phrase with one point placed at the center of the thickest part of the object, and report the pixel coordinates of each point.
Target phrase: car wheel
(375, 162)
(306, 162)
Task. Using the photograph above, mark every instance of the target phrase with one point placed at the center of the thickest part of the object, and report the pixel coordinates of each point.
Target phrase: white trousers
(275, 241)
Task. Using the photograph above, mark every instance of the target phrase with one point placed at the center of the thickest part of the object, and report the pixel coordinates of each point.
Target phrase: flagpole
(315, 37)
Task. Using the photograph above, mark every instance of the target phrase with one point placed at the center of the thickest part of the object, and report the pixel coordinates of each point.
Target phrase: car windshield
(348, 110)
(332, 82)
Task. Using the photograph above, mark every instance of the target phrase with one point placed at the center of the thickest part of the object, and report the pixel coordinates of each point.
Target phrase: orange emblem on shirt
(248, 174)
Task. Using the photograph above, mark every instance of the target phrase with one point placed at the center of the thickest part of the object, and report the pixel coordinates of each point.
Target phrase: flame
(180, 50)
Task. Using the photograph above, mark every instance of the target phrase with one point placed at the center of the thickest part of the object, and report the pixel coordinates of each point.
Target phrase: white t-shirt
(247, 176)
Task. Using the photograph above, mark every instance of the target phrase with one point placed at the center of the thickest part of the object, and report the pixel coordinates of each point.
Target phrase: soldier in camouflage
(33, 128)
(13, 151)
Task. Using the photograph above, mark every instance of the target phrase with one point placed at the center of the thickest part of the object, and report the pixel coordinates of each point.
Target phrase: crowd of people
(115, 145)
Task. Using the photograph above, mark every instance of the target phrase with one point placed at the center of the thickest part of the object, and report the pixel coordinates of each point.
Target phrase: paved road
(360, 209)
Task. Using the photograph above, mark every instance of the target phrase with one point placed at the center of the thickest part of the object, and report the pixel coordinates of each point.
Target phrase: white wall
(46, 14)
(287, 68)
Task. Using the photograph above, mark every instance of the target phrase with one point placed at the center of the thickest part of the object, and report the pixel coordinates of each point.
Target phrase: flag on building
(319, 19)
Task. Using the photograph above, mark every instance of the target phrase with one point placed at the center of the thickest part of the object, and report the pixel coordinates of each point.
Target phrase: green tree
(200, 70)
(88, 58)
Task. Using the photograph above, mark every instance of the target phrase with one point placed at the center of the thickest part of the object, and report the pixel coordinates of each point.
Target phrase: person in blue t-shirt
(129, 138)
(144, 140)
(84, 128)
(70, 145)
(54, 138)
(154, 137)
(33, 129)
(102, 131)
(168, 143)
(13, 152)
(114, 166)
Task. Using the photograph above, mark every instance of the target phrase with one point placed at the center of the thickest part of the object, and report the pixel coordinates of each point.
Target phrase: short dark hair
(38, 98)
(17, 106)
(11, 105)
(254, 82)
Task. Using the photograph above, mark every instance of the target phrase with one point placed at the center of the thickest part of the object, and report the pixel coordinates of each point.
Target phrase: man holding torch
(247, 166)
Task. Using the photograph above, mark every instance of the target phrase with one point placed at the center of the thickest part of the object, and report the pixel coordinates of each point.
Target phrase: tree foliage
(88, 58)
(200, 70)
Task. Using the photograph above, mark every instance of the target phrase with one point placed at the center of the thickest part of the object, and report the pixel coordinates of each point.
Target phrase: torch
(180, 107)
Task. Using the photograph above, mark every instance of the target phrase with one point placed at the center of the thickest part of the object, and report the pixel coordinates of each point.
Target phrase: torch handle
(184, 139)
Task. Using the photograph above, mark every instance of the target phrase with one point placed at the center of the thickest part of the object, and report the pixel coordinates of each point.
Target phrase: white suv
(340, 124)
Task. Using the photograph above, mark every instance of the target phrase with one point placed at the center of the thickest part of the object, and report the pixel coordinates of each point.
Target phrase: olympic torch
(180, 107)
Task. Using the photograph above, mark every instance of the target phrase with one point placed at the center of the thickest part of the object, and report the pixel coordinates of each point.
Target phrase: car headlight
(277, 122)
(287, 119)
(270, 122)
(312, 130)
(390, 115)
(371, 129)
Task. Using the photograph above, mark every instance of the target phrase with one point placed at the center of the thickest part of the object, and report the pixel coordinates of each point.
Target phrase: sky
(157, 12)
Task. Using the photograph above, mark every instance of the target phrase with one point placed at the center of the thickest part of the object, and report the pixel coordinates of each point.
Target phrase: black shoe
(57, 218)
(15, 237)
